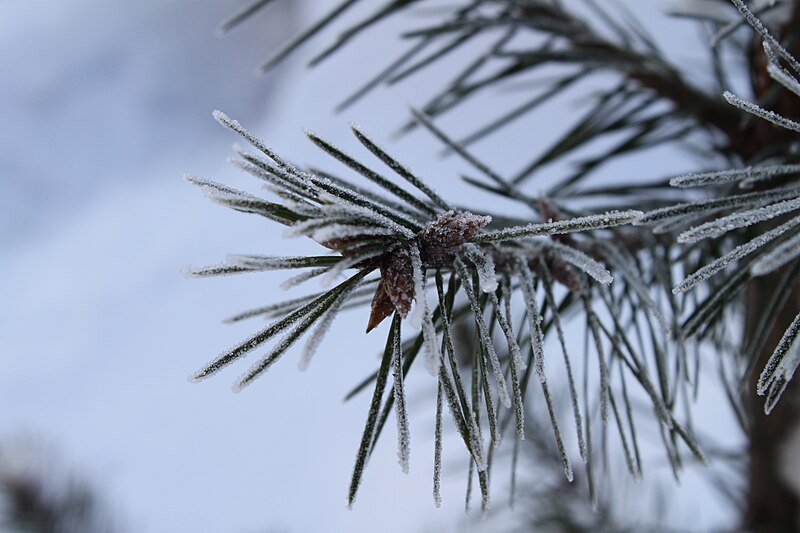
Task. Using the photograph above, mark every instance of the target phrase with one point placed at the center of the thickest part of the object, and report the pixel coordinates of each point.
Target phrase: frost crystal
(398, 167)
(781, 366)
(333, 232)
(428, 329)
(324, 325)
(483, 332)
(784, 78)
(484, 264)
(239, 200)
(590, 222)
(348, 262)
(551, 302)
(771, 45)
(264, 262)
(437, 450)
(234, 126)
(403, 432)
(534, 317)
(516, 363)
(215, 270)
(742, 219)
(707, 207)
(312, 316)
(734, 255)
(358, 206)
(389, 186)
(747, 175)
(760, 112)
(419, 288)
(579, 259)
(294, 281)
(776, 258)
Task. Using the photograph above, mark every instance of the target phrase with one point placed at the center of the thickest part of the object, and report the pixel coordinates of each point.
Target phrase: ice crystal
(534, 318)
(737, 253)
(742, 219)
(403, 431)
(777, 257)
(312, 344)
(437, 450)
(484, 265)
(483, 332)
(586, 223)
(294, 281)
(399, 168)
(428, 329)
(781, 366)
(760, 112)
(746, 175)
(575, 257)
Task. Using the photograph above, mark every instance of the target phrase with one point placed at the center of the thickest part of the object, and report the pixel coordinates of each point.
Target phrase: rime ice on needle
(745, 175)
(741, 219)
(781, 366)
(428, 329)
(622, 263)
(534, 318)
(323, 326)
(294, 281)
(737, 253)
(777, 257)
(708, 207)
(760, 112)
(403, 431)
(579, 259)
(484, 264)
(783, 77)
(516, 364)
(483, 332)
(585, 223)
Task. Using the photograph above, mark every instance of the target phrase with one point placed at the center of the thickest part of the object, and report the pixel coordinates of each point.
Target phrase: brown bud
(442, 237)
(395, 290)
(381, 308)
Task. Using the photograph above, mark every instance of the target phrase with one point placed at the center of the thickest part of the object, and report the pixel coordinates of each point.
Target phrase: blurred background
(105, 106)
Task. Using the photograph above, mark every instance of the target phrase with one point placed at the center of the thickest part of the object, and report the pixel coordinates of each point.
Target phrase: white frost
(484, 264)
(760, 112)
(781, 366)
(745, 175)
(323, 326)
(586, 223)
(432, 360)
(776, 258)
(742, 219)
(483, 332)
(580, 260)
(734, 255)
(403, 431)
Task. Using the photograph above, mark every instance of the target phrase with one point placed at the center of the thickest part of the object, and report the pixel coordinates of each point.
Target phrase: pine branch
(401, 236)
(405, 239)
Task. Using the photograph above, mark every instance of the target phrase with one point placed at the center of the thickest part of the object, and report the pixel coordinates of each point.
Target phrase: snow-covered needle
(590, 222)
